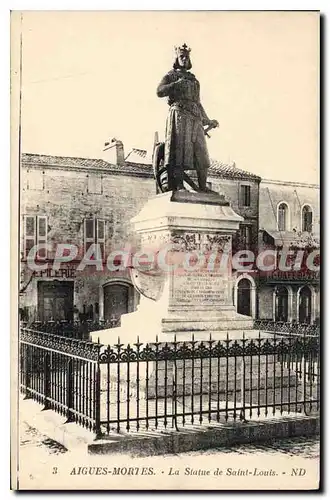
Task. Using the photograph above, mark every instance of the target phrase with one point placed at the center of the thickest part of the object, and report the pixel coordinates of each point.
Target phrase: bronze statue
(185, 145)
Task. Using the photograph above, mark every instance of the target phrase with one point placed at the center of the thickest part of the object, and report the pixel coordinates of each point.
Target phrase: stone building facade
(81, 201)
(289, 219)
(77, 201)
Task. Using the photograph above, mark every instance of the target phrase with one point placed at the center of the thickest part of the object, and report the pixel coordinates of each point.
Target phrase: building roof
(230, 171)
(62, 161)
(74, 163)
(138, 162)
(289, 183)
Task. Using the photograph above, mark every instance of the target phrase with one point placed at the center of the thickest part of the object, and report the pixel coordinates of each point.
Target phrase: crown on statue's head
(182, 49)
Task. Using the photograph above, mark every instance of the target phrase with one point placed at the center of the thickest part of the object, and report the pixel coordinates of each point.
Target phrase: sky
(91, 76)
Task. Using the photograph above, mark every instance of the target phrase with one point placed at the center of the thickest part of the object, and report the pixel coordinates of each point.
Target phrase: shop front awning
(291, 239)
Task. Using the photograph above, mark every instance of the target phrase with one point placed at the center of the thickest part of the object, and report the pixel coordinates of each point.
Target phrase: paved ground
(302, 447)
(31, 441)
(44, 464)
(42, 447)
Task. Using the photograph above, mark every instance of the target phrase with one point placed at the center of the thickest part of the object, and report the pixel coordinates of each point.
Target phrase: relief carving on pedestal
(190, 242)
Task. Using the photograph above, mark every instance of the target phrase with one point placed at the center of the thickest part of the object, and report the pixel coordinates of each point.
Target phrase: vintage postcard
(166, 255)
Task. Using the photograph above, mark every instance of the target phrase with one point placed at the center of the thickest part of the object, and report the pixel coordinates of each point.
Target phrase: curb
(75, 438)
(54, 426)
(213, 436)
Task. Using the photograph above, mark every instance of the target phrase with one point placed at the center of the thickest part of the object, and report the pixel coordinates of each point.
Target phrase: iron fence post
(27, 375)
(242, 413)
(47, 365)
(97, 397)
(69, 391)
(174, 391)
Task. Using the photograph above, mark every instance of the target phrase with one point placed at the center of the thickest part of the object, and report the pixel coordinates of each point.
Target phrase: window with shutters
(245, 237)
(100, 234)
(30, 233)
(42, 236)
(89, 233)
(307, 219)
(35, 233)
(245, 196)
(35, 180)
(94, 232)
(94, 183)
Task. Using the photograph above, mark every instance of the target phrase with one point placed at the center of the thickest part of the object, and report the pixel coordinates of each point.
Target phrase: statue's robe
(185, 145)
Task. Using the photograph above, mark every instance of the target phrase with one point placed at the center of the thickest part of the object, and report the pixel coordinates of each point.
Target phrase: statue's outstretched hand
(213, 124)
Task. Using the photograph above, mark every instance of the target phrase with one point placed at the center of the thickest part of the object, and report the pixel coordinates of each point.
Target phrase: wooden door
(115, 301)
(55, 300)
(244, 297)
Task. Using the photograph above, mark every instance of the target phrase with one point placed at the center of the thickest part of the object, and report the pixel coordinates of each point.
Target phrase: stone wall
(295, 195)
(66, 201)
(265, 298)
(231, 189)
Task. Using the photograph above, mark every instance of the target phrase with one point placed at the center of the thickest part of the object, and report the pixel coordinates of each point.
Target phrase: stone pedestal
(189, 288)
(250, 381)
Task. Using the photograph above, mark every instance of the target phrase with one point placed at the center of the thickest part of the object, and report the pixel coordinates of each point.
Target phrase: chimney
(114, 152)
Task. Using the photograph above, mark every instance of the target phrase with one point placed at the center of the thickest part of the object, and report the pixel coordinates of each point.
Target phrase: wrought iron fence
(122, 388)
(267, 325)
(70, 329)
(62, 374)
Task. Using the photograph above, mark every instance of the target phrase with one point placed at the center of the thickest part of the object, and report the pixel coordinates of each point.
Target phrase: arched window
(282, 217)
(307, 219)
